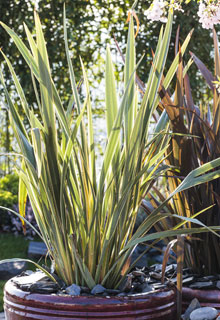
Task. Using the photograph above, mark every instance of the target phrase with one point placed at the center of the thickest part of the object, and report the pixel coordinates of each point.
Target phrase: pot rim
(11, 287)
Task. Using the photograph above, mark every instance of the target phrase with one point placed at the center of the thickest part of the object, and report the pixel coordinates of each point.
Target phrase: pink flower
(209, 14)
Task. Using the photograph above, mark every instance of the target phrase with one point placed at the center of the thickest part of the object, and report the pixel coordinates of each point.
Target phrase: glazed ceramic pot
(207, 298)
(21, 305)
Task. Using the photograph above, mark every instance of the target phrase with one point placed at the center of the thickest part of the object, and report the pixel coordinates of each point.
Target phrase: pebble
(202, 284)
(98, 289)
(73, 290)
(218, 284)
(46, 286)
(205, 313)
(193, 306)
(146, 288)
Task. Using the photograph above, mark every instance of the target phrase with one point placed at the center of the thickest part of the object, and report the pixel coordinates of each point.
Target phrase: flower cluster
(209, 14)
(157, 11)
(209, 11)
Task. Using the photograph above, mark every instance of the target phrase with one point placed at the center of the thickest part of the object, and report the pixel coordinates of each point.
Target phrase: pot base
(20, 305)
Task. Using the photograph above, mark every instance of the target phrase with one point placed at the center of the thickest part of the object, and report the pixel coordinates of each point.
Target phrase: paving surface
(2, 316)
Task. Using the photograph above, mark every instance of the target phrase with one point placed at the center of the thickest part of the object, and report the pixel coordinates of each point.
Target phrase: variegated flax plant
(86, 219)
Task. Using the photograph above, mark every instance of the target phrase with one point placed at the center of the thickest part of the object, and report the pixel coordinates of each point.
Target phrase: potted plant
(195, 142)
(86, 219)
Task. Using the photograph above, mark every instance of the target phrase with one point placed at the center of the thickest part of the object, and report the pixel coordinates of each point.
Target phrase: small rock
(85, 290)
(205, 313)
(73, 290)
(155, 275)
(112, 291)
(193, 306)
(138, 273)
(156, 267)
(26, 273)
(202, 284)
(44, 286)
(122, 294)
(218, 284)
(158, 285)
(188, 280)
(126, 284)
(145, 287)
(98, 289)
(170, 269)
(30, 279)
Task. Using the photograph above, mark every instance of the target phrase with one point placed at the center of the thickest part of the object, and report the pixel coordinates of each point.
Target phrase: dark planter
(20, 305)
(207, 298)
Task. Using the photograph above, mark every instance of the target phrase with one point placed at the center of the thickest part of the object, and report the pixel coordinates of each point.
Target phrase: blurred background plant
(195, 141)
(9, 198)
(90, 23)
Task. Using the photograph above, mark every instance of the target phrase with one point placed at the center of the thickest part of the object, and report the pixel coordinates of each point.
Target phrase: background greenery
(91, 23)
(11, 246)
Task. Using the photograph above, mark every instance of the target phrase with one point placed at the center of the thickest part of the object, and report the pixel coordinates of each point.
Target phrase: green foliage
(7, 199)
(10, 183)
(2, 283)
(11, 245)
(9, 190)
(8, 195)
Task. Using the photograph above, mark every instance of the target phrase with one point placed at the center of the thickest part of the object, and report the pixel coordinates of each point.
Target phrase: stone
(26, 273)
(156, 267)
(126, 284)
(36, 282)
(98, 289)
(170, 269)
(193, 306)
(73, 290)
(205, 313)
(30, 279)
(137, 273)
(85, 290)
(112, 291)
(155, 275)
(46, 286)
(188, 280)
(158, 285)
(202, 285)
(218, 284)
(145, 287)
(11, 269)
(122, 294)
(37, 249)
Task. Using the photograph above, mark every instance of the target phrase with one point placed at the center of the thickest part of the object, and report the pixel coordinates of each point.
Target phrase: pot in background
(21, 305)
(207, 298)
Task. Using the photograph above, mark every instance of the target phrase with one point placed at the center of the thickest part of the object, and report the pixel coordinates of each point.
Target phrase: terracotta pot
(20, 305)
(207, 298)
